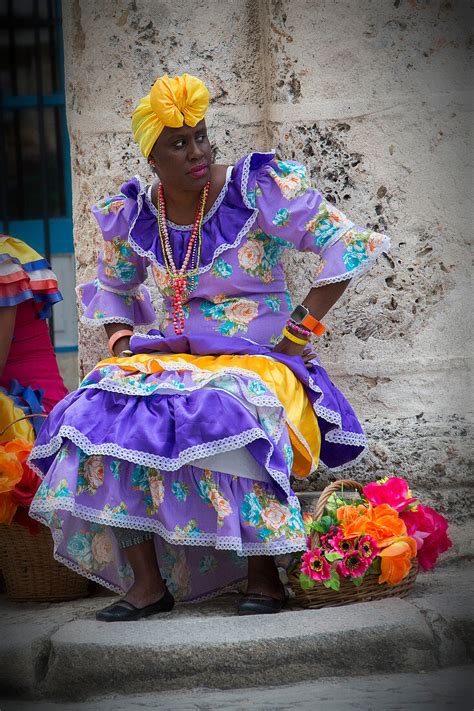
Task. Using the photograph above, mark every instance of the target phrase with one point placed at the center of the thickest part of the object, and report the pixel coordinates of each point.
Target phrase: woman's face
(182, 157)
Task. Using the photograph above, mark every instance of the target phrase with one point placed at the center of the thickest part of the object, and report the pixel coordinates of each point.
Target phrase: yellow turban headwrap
(171, 102)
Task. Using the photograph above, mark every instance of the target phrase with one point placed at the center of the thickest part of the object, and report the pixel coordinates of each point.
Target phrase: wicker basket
(348, 593)
(30, 571)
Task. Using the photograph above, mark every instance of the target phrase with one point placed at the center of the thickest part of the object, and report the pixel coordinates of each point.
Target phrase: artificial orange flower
(350, 513)
(18, 446)
(395, 558)
(11, 471)
(7, 509)
(380, 522)
(12, 456)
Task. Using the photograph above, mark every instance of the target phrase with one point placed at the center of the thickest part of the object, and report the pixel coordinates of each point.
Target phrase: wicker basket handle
(25, 417)
(318, 508)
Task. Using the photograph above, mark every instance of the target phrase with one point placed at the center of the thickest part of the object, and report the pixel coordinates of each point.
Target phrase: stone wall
(374, 98)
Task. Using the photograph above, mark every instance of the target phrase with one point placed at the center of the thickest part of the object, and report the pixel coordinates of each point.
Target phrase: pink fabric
(31, 360)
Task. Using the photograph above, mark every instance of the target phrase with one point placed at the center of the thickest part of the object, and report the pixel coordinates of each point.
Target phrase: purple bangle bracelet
(298, 329)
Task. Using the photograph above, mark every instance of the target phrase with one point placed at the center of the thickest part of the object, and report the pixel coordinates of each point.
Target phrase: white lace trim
(187, 456)
(329, 415)
(134, 456)
(108, 319)
(356, 273)
(34, 468)
(343, 437)
(137, 523)
(338, 436)
(208, 215)
(176, 366)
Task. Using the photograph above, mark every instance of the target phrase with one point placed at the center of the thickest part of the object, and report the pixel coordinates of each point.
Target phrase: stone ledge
(61, 652)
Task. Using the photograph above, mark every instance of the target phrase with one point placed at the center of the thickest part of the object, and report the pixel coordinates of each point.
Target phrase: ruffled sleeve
(290, 209)
(118, 294)
(24, 275)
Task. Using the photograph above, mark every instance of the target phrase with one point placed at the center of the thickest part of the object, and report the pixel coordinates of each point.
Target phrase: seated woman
(167, 473)
(30, 382)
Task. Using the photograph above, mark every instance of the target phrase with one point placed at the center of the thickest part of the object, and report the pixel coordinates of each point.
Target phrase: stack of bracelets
(302, 323)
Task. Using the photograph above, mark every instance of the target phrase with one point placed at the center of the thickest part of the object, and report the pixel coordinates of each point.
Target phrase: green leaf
(375, 566)
(358, 581)
(333, 503)
(334, 581)
(305, 582)
(317, 526)
(331, 557)
(327, 522)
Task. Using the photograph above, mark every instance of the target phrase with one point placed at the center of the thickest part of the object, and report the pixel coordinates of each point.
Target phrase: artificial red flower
(353, 565)
(23, 492)
(327, 537)
(340, 544)
(368, 548)
(23, 519)
(393, 491)
(315, 565)
(430, 531)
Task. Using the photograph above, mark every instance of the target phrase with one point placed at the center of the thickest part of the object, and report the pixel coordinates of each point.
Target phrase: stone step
(61, 652)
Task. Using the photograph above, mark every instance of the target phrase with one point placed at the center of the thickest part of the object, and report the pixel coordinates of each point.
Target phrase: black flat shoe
(260, 604)
(123, 611)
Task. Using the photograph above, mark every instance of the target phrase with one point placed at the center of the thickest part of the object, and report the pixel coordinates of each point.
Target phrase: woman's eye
(202, 137)
(179, 144)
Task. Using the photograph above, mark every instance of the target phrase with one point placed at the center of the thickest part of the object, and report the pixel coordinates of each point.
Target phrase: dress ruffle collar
(227, 222)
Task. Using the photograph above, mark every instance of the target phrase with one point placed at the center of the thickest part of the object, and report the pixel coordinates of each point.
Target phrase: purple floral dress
(195, 437)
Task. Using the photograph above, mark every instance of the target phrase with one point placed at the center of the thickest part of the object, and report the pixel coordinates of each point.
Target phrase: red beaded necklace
(182, 280)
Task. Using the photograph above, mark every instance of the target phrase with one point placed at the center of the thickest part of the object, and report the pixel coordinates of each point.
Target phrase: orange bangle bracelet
(313, 325)
(116, 337)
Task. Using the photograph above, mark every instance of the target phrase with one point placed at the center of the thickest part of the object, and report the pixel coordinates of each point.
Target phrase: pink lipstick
(199, 171)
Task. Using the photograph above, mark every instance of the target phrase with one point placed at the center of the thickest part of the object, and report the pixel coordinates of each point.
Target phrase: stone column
(373, 97)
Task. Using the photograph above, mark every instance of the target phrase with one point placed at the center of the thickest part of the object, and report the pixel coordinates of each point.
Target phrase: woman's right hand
(123, 344)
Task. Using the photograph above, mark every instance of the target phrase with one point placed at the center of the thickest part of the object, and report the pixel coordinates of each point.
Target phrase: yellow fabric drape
(9, 413)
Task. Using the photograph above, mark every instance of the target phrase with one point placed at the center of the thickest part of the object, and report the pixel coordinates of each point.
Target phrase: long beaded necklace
(182, 280)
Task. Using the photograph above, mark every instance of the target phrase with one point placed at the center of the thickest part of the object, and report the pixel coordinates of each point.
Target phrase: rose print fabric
(195, 437)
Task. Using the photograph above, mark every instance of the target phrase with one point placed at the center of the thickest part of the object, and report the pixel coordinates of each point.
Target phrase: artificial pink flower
(315, 565)
(430, 531)
(393, 491)
(327, 537)
(368, 548)
(353, 565)
(340, 544)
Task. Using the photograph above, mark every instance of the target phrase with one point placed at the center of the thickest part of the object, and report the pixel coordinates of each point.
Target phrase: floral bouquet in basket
(383, 531)
(18, 484)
